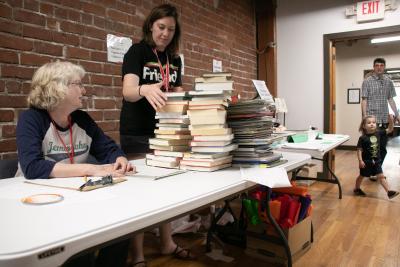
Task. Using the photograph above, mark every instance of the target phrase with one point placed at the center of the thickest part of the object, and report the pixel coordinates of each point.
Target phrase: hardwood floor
(353, 231)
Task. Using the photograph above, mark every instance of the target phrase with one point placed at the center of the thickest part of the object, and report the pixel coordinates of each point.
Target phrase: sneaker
(373, 178)
(391, 194)
(359, 192)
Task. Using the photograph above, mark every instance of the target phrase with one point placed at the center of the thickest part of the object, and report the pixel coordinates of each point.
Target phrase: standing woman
(55, 138)
(150, 68)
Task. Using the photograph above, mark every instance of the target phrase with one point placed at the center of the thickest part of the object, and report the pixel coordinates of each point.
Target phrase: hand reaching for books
(153, 94)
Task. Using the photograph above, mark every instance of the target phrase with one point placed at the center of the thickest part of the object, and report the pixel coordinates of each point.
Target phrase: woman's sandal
(183, 254)
(139, 264)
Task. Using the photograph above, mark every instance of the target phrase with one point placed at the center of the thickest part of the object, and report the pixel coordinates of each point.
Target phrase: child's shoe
(391, 194)
(359, 192)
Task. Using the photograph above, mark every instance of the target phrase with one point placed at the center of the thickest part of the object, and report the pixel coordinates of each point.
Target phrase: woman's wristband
(139, 90)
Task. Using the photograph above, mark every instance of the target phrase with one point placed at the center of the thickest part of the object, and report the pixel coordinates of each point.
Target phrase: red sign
(370, 10)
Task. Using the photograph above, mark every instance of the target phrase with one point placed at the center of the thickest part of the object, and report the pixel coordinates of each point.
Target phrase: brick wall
(33, 32)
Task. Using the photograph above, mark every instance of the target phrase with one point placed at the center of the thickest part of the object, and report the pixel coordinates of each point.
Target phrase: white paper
(183, 64)
(272, 177)
(117, 47)
(262, 90)
(280, 104)
(150, 172)
(217, 65)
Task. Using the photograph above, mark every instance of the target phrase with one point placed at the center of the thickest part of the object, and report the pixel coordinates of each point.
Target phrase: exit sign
(370, 10)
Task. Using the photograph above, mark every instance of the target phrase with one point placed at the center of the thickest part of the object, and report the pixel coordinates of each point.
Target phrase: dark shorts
(371, 169)
(131, 144)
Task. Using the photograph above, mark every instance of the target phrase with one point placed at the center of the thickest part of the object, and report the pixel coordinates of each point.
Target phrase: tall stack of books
(252, 123)
(211, 138)
(172, 135)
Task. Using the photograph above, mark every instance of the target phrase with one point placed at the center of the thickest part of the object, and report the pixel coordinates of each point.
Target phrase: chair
(8, 168)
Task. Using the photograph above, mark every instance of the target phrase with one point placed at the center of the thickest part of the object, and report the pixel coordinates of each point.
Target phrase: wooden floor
(353, 231)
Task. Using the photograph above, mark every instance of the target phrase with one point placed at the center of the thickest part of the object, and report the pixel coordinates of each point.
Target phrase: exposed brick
(74, 52)
(61, 13)
(100, 79)
(98, 56)
(2, 86)
(102, 103)
(117, 15)
(100, 91)
(31, 5)
(16, 71)
(46, 8)
(30, 17)
(11, 27)
(95, 33)
(8, 56)
(117, 91)
(6, 115)
(12, 101)
(74, 15)
(36, 33)
(111, 114)
(96, 115)
(99, 22)
(34, 59)
(93, 44)
(8, 131)
(17, 43)
(13, 87)
(5, 11)
(93, 8)
(92, 66)
(87, 19)
(107, 126)
(117, 81)
(68, 26)
(112, 69)
(66, 38)
(8, 145)
(26, 87)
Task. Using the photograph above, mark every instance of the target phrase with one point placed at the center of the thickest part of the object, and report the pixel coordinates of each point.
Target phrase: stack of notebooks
(252, 124)
(172, 135)
(211, 137)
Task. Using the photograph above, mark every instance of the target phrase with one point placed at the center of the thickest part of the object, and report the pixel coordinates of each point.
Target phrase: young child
(368, 153)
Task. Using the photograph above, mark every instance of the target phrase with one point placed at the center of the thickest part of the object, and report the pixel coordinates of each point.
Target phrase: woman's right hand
(153, 94)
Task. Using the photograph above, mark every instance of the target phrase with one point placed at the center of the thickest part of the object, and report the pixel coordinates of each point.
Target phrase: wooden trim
(265, 12)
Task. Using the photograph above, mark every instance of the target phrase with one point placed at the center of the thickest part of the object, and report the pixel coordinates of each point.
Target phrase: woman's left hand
(122, 165)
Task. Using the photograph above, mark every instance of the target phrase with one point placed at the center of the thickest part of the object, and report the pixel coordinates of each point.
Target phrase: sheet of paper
(149, 172)
(304, 145)
(117, 46)
(262, 90)
(271, 177)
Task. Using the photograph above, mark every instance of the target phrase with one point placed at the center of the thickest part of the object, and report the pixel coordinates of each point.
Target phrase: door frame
(329, 41)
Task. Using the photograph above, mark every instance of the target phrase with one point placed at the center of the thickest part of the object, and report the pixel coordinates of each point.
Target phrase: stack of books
(172, 135)
(214, 81)
(211, 136)
(252, 123)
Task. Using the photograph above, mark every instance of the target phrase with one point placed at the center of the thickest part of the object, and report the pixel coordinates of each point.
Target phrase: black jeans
(135, 144)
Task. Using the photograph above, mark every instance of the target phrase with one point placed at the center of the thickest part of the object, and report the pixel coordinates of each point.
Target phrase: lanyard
(72, 153)
(165, 76)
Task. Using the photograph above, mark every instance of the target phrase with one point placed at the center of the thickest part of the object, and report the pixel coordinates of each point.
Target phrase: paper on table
(155, 173)
(271, 177)
(304, 145)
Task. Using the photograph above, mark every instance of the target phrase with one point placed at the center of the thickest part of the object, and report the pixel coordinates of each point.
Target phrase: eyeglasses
(79, 84)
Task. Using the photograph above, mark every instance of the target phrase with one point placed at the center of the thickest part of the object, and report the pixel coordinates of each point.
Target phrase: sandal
(183, 253)
(139, 264)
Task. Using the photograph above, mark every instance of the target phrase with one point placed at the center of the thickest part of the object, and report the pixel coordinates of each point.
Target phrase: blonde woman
(55, 138)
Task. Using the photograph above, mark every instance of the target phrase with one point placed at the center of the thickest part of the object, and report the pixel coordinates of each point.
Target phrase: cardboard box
(261, 246)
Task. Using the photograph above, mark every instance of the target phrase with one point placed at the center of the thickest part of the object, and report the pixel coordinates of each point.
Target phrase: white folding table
(48, 235)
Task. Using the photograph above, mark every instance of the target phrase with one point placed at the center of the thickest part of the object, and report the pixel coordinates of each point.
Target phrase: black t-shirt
(137, 118)
(369, 143)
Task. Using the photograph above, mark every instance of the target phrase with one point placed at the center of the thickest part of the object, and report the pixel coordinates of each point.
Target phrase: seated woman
(54, 139)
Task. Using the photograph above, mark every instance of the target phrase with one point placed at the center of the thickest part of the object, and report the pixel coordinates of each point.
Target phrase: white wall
(351, 61)
(301, 25)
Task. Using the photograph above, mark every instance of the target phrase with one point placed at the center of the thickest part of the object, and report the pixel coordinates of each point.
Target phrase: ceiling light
(393, 71)
(385, 39)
